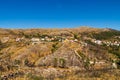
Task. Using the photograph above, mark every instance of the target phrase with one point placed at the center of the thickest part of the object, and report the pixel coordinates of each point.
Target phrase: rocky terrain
(82, 53)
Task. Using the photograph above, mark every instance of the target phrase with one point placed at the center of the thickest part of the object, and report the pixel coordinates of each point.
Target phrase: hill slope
(54, 53)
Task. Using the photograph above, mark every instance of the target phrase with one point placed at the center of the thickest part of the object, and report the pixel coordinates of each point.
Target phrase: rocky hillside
(69, 54)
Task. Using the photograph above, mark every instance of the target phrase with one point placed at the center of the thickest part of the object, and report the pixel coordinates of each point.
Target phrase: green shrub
(87, 64)
(26, 62)
(91, 43)
(34, 77)
(54, 47)
(55, 62)
(62, 63)
(114, 50)
(17, 62)
(118, 64)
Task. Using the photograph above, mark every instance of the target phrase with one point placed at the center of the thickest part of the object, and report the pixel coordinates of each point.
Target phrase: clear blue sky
(59, 13)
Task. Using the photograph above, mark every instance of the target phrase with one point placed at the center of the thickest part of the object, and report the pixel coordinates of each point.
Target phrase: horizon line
(60, 27)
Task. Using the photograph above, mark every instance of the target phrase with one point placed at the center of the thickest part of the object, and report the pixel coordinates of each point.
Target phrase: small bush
(62, 63)
(118, 64)
(34, 77)
(54, 47)
(17, 62)
(55, 62)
